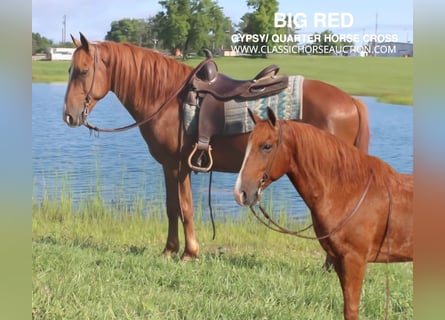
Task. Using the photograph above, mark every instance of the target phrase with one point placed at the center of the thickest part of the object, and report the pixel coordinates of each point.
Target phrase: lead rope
(276, 227)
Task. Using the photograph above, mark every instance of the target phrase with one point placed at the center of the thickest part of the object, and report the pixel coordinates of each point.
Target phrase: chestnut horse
(361, 208)
(143, 80)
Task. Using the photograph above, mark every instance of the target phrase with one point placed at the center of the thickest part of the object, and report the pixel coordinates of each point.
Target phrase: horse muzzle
(245, 198)
(75, 120)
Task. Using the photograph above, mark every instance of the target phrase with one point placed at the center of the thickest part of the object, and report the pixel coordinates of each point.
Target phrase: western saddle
(208, 90)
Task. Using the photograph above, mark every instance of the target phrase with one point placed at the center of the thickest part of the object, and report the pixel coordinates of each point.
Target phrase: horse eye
(266, 147)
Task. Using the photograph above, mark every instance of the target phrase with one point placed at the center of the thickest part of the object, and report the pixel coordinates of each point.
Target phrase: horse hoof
(187, 258)
(168, 253)
(327, 266)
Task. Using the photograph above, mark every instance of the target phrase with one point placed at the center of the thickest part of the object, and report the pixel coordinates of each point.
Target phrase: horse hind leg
(363, 135)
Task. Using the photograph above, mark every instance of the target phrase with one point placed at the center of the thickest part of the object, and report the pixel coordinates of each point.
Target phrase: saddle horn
(208, 53)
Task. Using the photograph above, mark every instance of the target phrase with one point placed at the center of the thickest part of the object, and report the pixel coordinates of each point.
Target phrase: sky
(94, 18)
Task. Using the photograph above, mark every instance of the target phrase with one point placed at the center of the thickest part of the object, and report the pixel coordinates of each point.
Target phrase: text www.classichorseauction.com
(303, 43)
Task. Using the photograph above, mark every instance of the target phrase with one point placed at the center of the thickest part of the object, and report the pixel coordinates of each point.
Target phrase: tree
(40, 44)
(154, 30)
(193, 25)
(128, 30)
(261, 21)
(174, 25)
(220, 27)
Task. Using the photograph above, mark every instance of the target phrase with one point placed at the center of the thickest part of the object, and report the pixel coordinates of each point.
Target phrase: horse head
(264, 159)
(88, 82)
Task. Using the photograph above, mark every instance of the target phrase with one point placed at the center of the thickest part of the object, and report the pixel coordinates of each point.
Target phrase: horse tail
(363, 134)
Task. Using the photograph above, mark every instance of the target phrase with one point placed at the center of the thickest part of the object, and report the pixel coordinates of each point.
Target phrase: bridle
(178, 90)
(266, 175)
(87, 99)
(269, 222)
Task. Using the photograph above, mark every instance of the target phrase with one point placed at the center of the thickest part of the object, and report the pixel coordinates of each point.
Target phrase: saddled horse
(361, 208)
(143, 80)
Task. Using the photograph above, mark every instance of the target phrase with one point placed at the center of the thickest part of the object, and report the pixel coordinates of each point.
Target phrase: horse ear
(253, 116)
(84, 41)
(75, 41)
(271, 116)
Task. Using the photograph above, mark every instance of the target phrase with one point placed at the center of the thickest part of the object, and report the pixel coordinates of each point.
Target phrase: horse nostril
(69, 119)
(243, 197)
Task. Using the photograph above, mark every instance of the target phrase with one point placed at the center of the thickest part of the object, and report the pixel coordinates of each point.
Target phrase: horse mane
(142, 76)
(324, 155)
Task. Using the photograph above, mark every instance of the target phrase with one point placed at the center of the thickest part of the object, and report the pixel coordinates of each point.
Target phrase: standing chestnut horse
(361, 208)
(144, 80)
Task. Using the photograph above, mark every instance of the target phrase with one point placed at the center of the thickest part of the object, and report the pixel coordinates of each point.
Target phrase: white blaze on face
(238, 183)
(69, 80)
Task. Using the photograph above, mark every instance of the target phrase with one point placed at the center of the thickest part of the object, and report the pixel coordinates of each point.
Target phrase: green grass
(92, 261)
(50, 71)
(388, 79)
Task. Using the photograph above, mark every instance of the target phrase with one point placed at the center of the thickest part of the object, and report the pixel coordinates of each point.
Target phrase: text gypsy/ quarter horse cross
(144, 79)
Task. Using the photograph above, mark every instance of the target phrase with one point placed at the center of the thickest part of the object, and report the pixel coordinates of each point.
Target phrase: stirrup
(198, 168)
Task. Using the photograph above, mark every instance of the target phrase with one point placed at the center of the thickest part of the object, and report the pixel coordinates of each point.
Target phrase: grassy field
(389, 79)
(50, 71)
(96, 262)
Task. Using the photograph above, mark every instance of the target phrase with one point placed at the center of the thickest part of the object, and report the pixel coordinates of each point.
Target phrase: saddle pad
(287, 105)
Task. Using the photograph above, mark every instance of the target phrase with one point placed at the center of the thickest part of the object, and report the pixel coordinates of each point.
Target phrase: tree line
(188, 26)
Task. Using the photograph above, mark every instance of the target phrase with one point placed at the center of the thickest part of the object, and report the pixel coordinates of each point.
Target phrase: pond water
(118, 165)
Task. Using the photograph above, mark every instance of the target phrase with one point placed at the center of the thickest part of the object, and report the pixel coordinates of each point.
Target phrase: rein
(276, 227)
(137, 123)
(273, 225)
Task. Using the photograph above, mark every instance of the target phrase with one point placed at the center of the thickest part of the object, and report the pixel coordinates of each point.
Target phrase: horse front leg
(179, 194)
(351, 271)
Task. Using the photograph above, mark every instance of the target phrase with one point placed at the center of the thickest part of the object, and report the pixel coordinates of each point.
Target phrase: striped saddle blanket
(287, 105)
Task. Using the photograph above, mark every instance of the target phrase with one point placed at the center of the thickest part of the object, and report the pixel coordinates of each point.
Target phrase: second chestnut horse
(361, 208)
